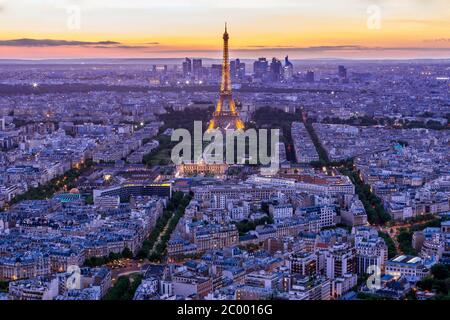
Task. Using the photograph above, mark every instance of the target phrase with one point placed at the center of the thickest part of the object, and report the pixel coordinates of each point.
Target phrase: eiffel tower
(225, 116)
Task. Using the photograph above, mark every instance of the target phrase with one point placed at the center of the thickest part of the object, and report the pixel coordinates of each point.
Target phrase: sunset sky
(36, 29)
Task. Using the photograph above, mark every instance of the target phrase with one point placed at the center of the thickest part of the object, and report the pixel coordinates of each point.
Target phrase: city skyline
(153, 29)
(226, 151)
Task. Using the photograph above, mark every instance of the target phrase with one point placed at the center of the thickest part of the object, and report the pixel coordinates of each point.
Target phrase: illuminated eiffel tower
(225, 116)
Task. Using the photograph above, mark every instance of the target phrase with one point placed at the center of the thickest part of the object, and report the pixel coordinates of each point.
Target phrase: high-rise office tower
(237, 69)
(342, 72)
(309, 76)
(216, 72)
(196, 66)
(288, 70)
(187, 66)
(276, 69)
(260, 67)
(240, 69)
(233, 69)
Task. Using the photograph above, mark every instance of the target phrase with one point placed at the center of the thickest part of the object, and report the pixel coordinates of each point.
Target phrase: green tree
(440, 271)
(425, 284)
(126, 253)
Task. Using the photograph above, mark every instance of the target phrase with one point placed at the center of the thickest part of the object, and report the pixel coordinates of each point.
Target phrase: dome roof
(74, 190)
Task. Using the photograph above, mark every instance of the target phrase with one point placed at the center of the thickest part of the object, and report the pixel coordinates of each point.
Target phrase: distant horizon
(307, 29)
(347, 52)
(212, 60)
